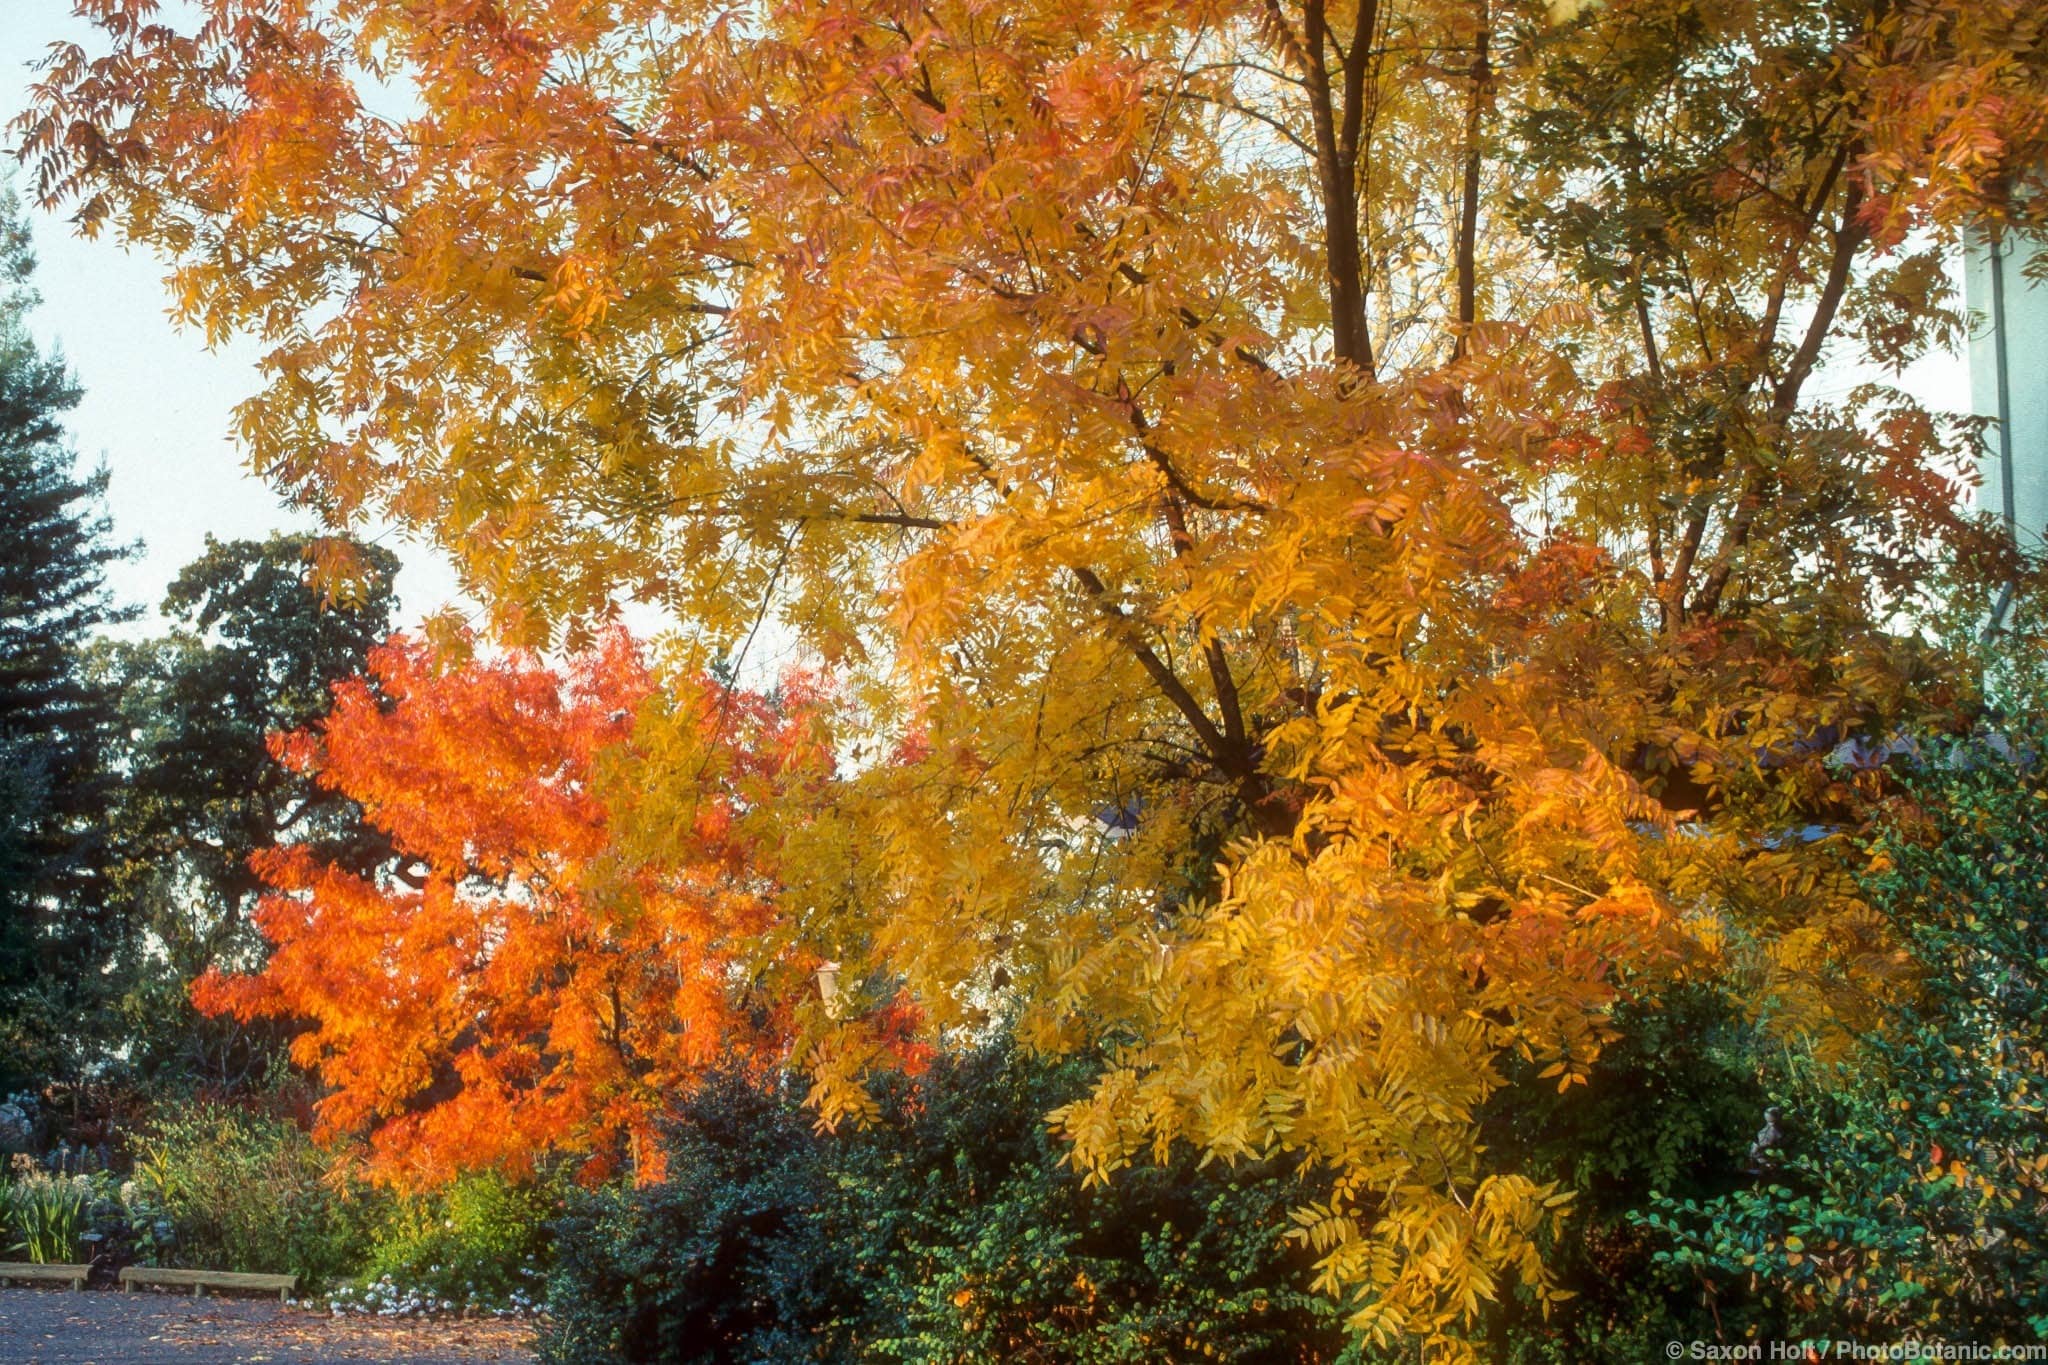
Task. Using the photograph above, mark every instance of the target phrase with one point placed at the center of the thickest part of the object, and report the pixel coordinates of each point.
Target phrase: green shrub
(251, 1192)
(1912, 1193)
(948, 1231)
(1671, 1106)
(482, 1242)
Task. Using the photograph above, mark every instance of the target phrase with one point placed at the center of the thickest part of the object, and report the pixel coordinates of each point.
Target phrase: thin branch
(1849, 237)
(1162, 675)
(1468, 216)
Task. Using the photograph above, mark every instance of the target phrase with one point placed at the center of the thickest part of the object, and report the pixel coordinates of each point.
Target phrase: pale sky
(158, 401)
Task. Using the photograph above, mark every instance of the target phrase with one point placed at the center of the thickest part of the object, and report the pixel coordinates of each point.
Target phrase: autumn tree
(508, 988)
(1371, 448)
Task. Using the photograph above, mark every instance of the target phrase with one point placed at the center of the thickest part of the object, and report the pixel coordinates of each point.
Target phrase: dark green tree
(257, 643)
(56, 930)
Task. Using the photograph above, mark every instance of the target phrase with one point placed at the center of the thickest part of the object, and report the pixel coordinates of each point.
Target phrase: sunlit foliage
(509, 989)
(1340, 563)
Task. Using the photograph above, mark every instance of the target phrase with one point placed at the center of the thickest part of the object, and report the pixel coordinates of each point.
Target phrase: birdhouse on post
(828, 988)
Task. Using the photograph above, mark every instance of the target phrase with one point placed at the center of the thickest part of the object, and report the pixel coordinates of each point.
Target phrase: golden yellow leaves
(1334, 1004)
(991, 352)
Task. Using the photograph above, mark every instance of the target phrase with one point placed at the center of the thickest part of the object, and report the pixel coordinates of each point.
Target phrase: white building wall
(2009, 382)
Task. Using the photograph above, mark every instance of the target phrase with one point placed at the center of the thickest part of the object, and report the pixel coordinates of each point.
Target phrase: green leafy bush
(948, 1231)
(1912, 1190)
(252, 1192)
(482, 1242)
(1671, 1106)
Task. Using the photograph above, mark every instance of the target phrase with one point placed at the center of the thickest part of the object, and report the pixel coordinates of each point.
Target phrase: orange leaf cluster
(509, 986)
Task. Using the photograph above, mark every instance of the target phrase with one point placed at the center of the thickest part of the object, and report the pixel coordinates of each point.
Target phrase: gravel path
(56, 1327)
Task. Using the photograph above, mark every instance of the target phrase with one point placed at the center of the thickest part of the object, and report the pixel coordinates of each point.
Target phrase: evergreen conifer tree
(55, 928)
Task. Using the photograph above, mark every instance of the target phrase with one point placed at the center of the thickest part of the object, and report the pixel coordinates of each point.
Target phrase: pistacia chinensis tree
(1343, 563)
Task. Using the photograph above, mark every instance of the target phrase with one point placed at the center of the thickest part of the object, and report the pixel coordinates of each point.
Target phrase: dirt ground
(56, 1327)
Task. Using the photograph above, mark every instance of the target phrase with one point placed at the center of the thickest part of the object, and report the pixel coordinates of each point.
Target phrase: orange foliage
(510, 985)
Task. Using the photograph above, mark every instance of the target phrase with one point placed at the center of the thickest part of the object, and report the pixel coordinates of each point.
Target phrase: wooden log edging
(202, 1280)
(29, 1272)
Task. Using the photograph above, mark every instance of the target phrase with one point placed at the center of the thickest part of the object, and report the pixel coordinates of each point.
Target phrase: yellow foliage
(1332, 588)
